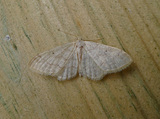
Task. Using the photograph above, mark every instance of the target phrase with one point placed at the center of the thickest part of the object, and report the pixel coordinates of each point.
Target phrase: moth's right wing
(60, 62)
(109, 59)
(99, 60)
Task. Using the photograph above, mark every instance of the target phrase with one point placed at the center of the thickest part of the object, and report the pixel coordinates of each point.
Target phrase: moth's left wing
(108, 59)
(88, 67)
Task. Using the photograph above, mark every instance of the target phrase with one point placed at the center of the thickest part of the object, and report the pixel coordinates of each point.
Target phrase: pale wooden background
(131, 25)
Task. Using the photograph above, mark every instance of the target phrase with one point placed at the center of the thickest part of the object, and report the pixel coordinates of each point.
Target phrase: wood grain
(34, 27)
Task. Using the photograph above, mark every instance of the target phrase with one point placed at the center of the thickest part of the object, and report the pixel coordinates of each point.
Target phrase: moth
(86, 58)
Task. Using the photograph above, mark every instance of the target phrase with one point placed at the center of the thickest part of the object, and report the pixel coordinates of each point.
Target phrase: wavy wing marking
(56, 62)
(106, 59)
(88, 67)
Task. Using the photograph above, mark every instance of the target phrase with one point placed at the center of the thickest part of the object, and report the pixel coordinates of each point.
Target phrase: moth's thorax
(79, 46)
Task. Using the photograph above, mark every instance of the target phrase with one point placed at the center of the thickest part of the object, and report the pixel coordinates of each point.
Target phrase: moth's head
(80, 43)
(80, 39)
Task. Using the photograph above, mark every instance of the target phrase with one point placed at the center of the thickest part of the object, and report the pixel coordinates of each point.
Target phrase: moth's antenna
(78, 37)
(93, 39)
(68, 33)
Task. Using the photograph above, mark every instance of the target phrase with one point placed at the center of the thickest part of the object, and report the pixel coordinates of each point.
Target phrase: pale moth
(86, 58)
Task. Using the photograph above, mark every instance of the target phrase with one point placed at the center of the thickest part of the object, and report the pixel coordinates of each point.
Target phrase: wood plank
(34, 27)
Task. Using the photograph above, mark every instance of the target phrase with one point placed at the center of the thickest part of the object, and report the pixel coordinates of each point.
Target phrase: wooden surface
(131, 25)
